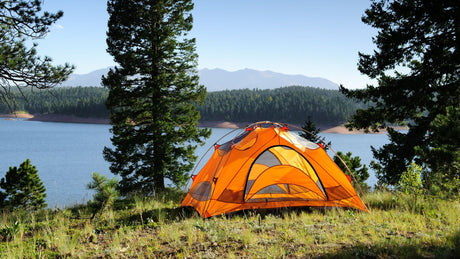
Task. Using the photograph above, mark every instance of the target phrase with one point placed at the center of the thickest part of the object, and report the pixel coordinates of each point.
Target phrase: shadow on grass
(450, 249)
(182, 213)
(275, 212)
(164, 215)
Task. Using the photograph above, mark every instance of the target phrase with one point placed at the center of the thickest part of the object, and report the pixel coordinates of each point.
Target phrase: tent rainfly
(269, 166)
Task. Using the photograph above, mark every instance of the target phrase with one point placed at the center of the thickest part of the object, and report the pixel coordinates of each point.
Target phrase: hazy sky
(308, 37)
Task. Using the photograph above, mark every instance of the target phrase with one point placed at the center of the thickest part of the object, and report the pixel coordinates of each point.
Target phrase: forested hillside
(288, 104)
(78, 101)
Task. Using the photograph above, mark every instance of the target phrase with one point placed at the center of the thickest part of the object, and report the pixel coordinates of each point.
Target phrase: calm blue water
(66, 154)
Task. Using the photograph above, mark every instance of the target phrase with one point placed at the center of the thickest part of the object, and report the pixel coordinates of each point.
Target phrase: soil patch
(16, 115)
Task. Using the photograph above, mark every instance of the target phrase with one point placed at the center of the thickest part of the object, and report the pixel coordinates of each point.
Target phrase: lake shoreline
(66, 154)
(339, 129)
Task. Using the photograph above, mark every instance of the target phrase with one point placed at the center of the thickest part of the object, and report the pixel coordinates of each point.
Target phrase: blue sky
(312, 38)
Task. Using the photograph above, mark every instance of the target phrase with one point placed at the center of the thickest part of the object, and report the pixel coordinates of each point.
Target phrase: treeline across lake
(78, 101)
(292, 104)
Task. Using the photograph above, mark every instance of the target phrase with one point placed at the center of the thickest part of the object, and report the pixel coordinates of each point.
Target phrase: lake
(66, 154)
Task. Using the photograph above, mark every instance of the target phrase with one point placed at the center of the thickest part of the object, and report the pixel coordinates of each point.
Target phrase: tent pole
(335, 153)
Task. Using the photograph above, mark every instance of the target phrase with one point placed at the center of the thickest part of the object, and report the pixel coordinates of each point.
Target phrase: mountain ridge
(219, 79)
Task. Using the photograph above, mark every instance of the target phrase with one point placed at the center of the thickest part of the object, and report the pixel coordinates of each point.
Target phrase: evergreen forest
(78, 101)
(287, 104)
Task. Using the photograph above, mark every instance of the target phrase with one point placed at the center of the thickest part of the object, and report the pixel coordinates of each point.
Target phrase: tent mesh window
(283, 167)
(201, 191)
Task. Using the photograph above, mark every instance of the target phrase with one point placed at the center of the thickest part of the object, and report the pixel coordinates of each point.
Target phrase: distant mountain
(219, 79)
(91, 79)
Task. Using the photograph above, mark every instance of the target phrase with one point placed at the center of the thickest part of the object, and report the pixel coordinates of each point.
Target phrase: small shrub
(411, 184)
(22, 188)
(359, 171)
(442, 185)
(106, 192)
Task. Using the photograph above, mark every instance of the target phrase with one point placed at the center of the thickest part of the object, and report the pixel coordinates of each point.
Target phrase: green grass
(142, 227)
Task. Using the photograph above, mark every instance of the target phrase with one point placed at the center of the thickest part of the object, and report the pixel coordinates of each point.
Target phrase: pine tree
(153, 93)
(20, 67)
(105, 193)
(353, 165)
(22, 188)
(310, 127)
(418, 75)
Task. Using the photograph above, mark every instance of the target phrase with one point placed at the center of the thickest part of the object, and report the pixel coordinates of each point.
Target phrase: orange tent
(268, 166)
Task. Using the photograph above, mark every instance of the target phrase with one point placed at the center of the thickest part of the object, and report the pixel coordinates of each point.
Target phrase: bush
(359, 171)
(411, 184)
(106, 192)
(22, 188)
(442, 185)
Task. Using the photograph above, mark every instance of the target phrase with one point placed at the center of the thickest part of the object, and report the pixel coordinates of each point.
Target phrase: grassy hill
(395, 227)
